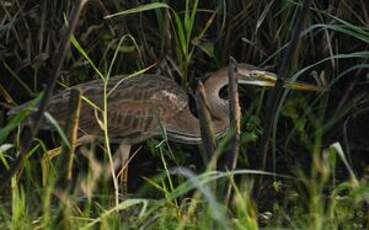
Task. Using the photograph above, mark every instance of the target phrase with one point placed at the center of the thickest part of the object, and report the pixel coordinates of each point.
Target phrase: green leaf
(57, 127)
(18, 118)
(139, 9)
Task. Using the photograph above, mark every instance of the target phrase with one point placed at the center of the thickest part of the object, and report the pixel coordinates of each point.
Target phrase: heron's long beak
(267, 79)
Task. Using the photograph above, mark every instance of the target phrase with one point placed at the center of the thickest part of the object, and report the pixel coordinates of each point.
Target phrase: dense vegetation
(315, 174)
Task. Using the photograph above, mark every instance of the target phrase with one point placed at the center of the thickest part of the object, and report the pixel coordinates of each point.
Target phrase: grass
(316, 175)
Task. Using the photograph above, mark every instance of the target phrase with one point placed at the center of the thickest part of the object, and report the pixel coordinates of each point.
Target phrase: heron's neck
(185, 126)
(218, 106)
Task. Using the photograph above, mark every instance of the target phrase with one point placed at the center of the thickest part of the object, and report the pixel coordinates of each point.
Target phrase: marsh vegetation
(314, 175)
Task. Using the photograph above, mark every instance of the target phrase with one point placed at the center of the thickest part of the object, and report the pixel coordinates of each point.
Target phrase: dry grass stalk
(235, 122)
(71, 128)
(207, 132)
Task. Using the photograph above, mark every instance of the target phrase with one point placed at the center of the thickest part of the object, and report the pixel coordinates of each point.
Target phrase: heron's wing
(135, 106)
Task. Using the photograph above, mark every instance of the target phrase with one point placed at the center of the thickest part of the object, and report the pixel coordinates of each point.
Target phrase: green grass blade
(139, 9)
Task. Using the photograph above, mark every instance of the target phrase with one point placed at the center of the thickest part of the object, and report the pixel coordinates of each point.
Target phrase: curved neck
(219, 108)
(185, 127)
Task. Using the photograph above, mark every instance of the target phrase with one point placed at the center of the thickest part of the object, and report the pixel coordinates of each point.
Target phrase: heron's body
(140, 107)
(136, 106)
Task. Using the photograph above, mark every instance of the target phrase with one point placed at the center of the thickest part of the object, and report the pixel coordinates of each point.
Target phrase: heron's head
(251, 75)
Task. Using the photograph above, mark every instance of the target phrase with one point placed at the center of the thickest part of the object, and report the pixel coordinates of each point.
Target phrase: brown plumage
(140, 107)
(136, 106)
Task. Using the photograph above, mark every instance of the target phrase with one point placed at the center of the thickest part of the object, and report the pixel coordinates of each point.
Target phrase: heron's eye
(223, 93)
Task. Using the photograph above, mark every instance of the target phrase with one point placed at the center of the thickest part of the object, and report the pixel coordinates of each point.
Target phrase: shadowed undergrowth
(316, 174)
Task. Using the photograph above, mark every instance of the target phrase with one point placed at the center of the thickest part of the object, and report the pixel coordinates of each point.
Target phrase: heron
(140, 107)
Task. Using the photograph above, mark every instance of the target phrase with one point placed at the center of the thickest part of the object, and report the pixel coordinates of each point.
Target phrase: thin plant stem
(37, 118)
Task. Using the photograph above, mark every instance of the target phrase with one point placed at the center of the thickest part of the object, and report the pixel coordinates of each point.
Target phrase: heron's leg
(123, 153)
